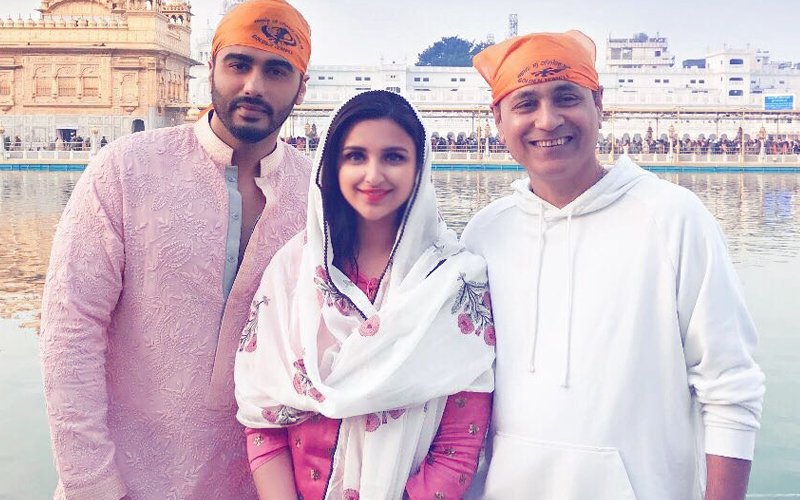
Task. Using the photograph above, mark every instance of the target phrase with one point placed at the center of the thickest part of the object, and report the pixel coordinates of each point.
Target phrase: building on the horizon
(638, 52)
(110, 66)
(726, 89)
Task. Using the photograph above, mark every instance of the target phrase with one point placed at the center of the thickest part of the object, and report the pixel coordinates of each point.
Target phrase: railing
(45, 155)
(469, 154)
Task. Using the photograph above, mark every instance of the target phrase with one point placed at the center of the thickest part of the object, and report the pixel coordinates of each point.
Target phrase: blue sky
(363, 31)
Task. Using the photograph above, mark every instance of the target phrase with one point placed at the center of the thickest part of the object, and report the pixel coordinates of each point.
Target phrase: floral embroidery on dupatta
(328, 294)
(375, 420)
(248, 338)
(302, 384)
(351, 494)
(282, 415)
(369, 327)
(473, 304)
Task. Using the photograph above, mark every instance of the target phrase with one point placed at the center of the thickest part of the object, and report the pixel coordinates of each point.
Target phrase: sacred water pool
(759, 212)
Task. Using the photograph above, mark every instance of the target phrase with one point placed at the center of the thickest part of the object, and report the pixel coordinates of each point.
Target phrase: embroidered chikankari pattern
(137, 354)
(473, 305)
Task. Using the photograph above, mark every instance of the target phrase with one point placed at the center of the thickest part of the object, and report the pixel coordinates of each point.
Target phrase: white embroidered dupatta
(314, 343)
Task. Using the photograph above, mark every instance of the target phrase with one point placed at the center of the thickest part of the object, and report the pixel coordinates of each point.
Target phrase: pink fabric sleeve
(264, 444)
(82, 287)
(448, 469)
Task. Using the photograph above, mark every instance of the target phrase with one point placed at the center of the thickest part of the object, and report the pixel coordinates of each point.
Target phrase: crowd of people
(700, 145)
(222, 319)
(75, 143)
(462, 142)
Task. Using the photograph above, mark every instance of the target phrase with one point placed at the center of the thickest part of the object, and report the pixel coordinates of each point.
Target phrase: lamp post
(487, 131)
(478, 141)
(95, 145)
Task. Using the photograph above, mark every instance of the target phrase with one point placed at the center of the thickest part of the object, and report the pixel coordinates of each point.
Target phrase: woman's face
(377, 169)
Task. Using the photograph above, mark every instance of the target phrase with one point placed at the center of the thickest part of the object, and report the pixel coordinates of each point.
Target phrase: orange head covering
(537, 58)
(271, 25)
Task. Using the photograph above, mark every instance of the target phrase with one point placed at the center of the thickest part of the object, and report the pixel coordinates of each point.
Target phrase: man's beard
(249, 133)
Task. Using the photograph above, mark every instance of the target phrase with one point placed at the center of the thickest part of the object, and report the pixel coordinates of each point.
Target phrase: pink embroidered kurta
(141, 315)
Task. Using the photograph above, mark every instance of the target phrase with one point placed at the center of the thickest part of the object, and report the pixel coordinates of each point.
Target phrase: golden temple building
(94, 68)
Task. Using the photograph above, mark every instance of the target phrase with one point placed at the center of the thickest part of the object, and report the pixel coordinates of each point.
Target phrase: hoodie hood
(621, 177)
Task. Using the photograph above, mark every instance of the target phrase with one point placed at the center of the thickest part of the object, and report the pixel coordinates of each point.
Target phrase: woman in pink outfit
(365, 368)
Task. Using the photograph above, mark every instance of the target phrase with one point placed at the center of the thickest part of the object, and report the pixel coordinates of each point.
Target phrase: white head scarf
(314, 342)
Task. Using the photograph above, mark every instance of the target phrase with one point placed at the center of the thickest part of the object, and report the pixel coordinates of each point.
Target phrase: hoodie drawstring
(568, 328)
(538, 280)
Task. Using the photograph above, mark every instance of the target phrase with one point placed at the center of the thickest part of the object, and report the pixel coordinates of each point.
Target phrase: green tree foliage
(450, 51)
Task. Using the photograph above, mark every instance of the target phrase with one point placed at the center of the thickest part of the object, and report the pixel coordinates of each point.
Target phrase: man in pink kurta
(154, 264)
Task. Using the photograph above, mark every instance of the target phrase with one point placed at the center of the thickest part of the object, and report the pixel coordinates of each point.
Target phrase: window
(396, 90)
(464, 80)
(358, 78)
(416, 78)
(701, 81)
(621, 80)
(735, 93)
(658, 53)
(666, 80)
(736, 79)
(454, 79)
(66, 86)
(320, 78)
(736, 62)
(630, 81)
(330, 78)
(781, 82)
(692, 81)
(91, 86)
(43, 86)
(5, 87)
(425, 79)
(658, 80)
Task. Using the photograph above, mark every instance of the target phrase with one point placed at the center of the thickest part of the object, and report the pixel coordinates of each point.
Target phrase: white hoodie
(623, 343)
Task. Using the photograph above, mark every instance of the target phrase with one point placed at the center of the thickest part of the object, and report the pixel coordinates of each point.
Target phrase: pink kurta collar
(222, 154)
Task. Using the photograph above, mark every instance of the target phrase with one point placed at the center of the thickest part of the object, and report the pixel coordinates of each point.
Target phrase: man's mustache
(251, 101)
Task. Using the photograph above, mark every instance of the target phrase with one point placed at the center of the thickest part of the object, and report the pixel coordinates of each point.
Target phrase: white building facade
(643, 87)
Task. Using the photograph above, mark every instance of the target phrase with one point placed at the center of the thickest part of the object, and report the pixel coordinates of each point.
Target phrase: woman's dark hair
(339, 215)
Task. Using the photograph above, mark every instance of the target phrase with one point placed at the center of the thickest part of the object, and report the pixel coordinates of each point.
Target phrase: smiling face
(377, 169)
(253, 92)
(551, 129)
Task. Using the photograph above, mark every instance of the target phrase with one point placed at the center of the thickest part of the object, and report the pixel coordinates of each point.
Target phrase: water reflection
(758, 212)
(30, 206)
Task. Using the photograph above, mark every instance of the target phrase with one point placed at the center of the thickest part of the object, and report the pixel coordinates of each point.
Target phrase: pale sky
(364, 31)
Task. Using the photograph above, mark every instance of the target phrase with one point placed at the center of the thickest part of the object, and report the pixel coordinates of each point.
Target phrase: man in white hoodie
(624, 347)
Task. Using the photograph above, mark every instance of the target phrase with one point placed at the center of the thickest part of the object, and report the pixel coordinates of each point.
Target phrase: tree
(450, 51)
